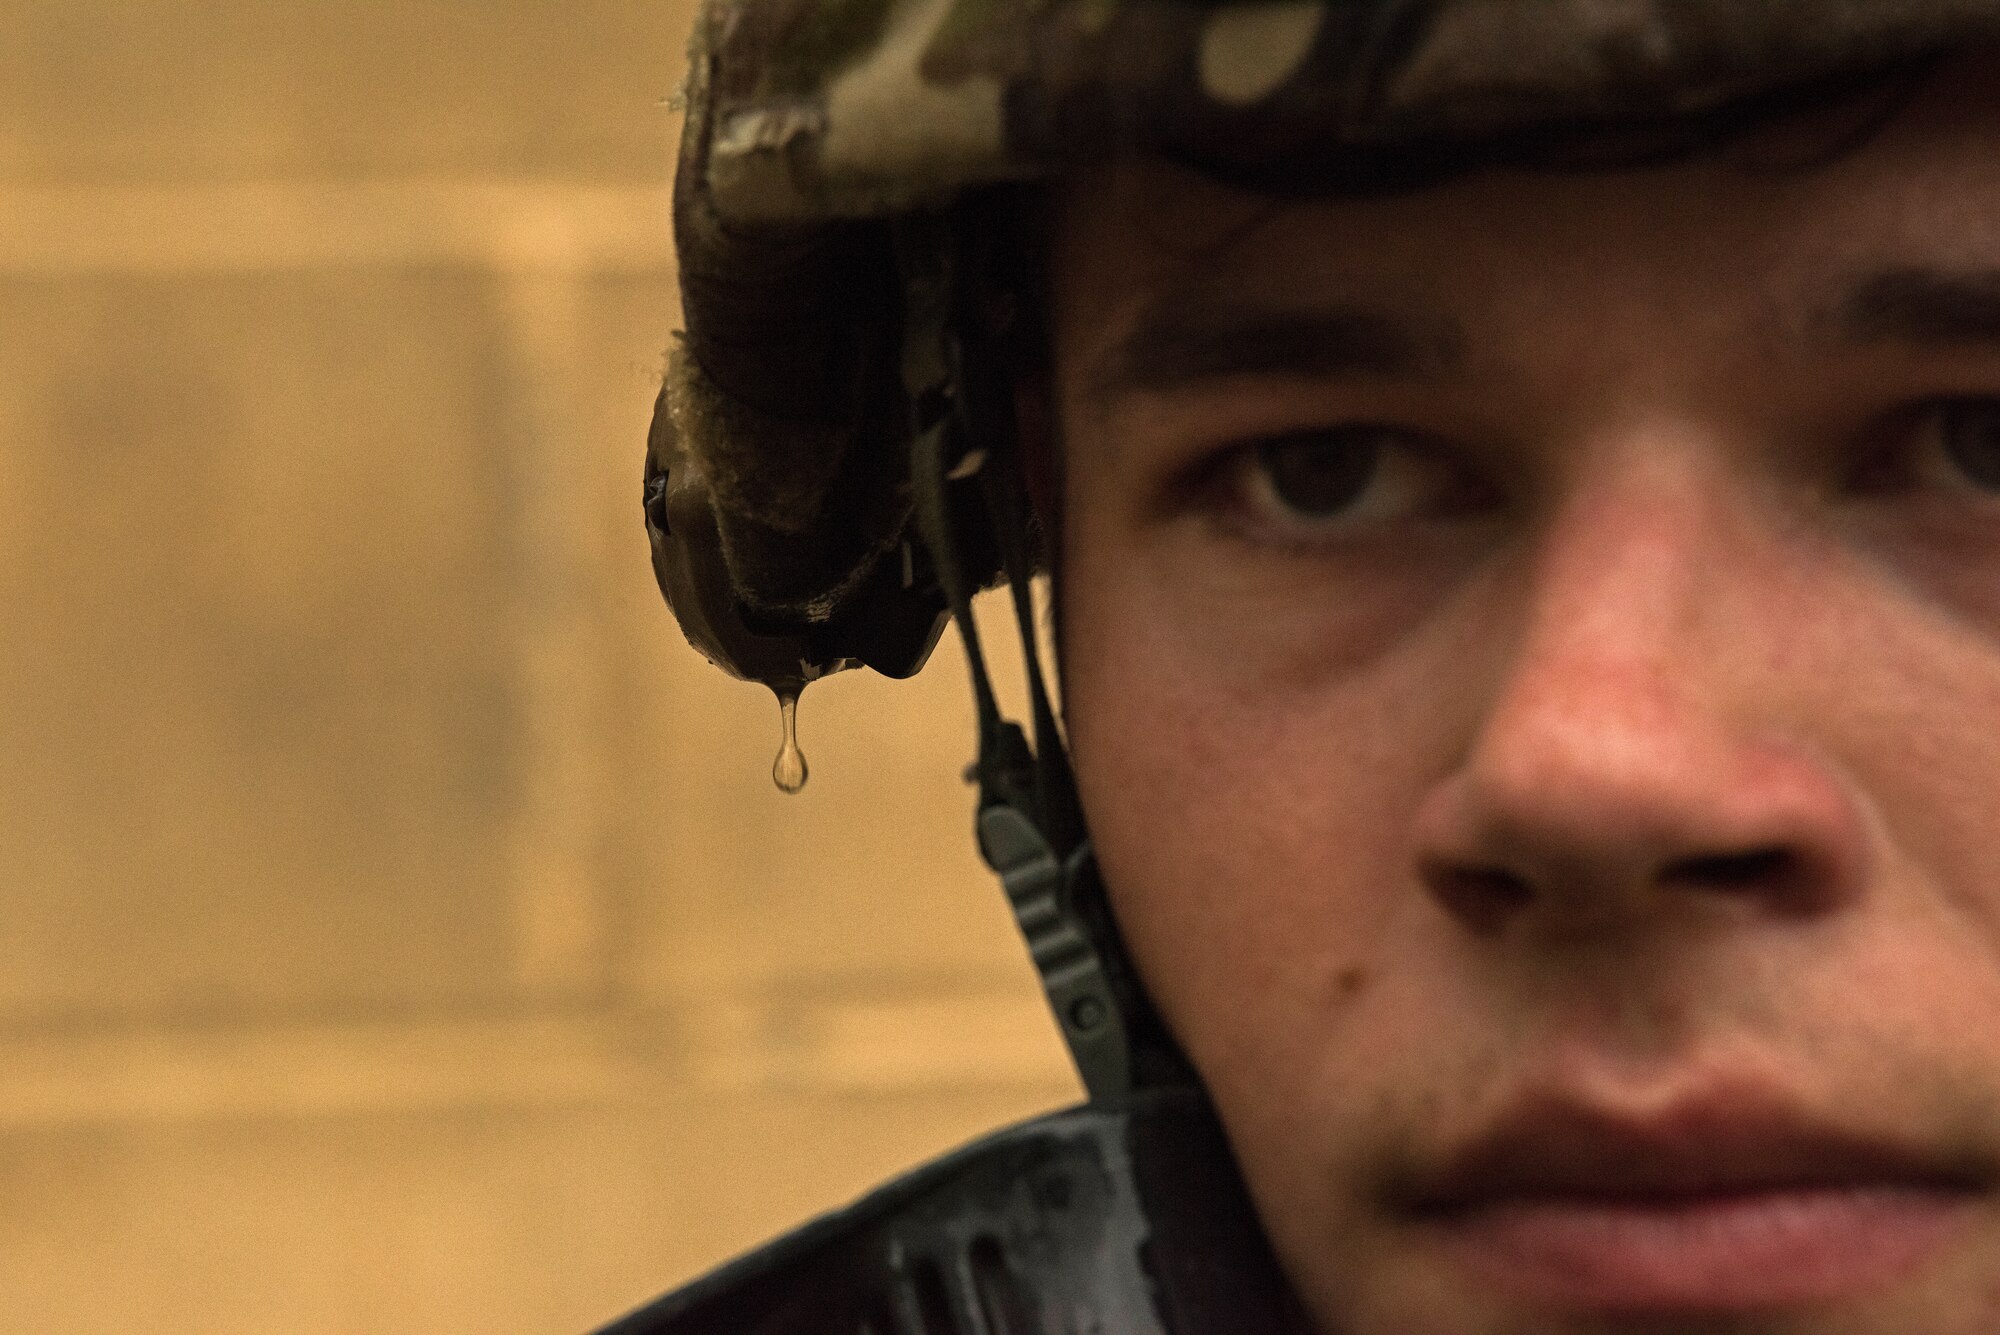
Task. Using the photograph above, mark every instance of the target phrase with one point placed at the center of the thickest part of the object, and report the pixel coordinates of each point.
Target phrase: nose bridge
(1613, 618)
(1623, 746)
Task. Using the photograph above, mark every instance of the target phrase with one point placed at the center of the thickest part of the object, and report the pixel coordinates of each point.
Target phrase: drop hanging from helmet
(968, 485)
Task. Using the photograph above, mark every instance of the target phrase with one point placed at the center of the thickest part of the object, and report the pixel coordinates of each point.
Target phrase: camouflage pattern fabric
(813, 124)
(867, 107)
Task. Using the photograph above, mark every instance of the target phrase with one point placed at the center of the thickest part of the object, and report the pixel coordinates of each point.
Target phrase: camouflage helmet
(779, 494)
(833, 467)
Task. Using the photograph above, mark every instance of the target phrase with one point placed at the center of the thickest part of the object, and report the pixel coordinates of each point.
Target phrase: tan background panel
(400, 930)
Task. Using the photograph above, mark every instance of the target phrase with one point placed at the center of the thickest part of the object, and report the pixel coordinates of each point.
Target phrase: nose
(1633, 760)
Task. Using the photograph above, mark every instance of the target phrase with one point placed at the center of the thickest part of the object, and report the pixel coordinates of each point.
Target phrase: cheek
(1916, 719)
(1254, 826)
(1254, 833)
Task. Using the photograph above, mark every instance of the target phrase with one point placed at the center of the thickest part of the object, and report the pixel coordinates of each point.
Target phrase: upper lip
(1551, 1147)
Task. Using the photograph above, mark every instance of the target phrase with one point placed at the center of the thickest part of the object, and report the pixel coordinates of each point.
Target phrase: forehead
(1767, 221)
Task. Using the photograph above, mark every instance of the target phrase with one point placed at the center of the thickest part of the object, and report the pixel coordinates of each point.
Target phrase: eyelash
(1407, 476)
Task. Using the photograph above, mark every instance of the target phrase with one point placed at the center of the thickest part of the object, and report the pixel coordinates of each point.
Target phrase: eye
(1306, 484)
(1320, 475)
(1948, 446)
(1967, 433)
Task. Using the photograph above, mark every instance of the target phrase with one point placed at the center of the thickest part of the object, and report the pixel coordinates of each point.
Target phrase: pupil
(1319, 476)
(1972, 439)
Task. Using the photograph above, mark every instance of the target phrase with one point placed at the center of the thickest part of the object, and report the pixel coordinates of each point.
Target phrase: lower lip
(1708, 1253)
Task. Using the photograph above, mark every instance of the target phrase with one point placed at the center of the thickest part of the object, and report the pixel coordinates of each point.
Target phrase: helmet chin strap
(968, 488)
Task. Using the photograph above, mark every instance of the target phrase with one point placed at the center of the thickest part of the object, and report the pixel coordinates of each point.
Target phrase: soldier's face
(1533, 664)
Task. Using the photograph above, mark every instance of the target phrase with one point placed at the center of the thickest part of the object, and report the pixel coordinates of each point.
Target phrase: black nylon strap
(929, 383)
(1056, 807)
(1029, 826)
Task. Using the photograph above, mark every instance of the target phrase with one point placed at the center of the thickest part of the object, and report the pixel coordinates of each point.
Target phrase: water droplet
(789, 770)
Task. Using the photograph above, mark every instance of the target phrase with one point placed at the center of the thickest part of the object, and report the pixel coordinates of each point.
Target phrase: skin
(1635, 733)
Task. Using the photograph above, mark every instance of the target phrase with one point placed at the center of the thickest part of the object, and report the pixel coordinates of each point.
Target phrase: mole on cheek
(1350, 983)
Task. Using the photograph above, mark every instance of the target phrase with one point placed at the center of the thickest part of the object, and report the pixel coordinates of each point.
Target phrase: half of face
(1532, 653)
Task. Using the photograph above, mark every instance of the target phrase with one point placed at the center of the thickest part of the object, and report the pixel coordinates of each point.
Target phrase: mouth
(1725, 1203)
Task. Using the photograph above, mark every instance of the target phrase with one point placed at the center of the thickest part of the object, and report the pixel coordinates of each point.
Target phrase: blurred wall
(399, 930)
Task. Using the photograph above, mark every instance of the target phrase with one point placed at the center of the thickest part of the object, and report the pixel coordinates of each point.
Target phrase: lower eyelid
(1213, 482)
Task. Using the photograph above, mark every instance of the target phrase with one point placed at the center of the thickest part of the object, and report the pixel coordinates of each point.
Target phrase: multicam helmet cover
(813, 125)
(842, 108)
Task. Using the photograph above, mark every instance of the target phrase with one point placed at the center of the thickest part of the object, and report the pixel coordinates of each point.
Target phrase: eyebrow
(1926, 307)
(1197, 338)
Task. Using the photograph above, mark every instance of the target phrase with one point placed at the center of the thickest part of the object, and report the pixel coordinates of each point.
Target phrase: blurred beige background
(399, 930)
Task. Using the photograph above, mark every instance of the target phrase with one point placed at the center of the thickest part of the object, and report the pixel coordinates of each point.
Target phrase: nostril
(1483, 897)
(1756, 868)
